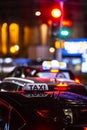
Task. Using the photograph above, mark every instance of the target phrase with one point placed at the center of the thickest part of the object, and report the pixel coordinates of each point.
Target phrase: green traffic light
(64, 33)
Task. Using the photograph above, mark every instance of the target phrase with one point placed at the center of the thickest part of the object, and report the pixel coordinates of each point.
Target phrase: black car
(26, 105)
(42, 111)
(58, 84)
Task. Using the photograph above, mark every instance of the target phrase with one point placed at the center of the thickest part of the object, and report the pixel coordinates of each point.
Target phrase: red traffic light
(50, 22)
(67, 23)
(56, 13)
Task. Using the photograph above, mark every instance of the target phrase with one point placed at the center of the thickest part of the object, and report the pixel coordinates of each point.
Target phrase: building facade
(20, 27)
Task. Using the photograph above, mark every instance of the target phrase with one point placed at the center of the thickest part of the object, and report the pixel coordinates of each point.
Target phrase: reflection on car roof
(14, 79)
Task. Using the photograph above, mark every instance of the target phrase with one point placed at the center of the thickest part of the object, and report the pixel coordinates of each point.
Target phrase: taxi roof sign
(50, 64)
(35, 87)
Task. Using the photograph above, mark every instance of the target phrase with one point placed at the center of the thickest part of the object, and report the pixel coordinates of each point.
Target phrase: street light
(59, 51)
(56, 13)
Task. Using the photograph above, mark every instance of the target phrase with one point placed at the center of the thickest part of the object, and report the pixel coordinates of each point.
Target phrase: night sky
(24, 9)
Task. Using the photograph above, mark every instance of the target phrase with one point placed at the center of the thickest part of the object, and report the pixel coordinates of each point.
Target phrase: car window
(54, 75)
(18, 72)
(8, 87)
(46, 74)
(65, 75)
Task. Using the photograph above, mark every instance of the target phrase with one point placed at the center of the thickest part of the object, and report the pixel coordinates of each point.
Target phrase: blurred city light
(56, 13)
(67, 23)
(14, 33)
(64, 32)
(43, 30)
(57, 44)
(4, 36)
(14, 49)
(8, 60)
(54, 64)
(50, 22)
(51, 49)
(37, 13)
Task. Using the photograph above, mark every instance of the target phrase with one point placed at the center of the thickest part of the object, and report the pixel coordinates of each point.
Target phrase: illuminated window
(14, 33)
(26, 35)
(43, 30)
(31, 35)
(4, 36)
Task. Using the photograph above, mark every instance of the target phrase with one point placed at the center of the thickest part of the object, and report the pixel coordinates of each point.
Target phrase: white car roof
(17, 80)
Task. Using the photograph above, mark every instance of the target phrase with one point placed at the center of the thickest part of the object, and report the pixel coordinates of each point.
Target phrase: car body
(25, 71)
(42, 110)
(60, 84)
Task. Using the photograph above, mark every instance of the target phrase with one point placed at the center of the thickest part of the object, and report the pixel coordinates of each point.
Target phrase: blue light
(1, 60)
(8, 60)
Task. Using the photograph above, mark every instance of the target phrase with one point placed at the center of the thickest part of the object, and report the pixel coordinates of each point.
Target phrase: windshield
(65, 75)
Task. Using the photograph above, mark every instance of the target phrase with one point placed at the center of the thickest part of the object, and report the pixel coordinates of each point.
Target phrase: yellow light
(27, 35)
(85, 128)
(77, 80)
(54, 70)
(57, 44)
(63, 43)
(37, 13)
(56, 13)
(62, 84)
(14, 49)
(14, 33)
(4, 36)
(52, 50)
(44, 31)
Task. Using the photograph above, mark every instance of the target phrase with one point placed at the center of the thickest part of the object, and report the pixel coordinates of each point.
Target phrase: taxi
(57, 73)
(51, 70)
(42, 110)
(43, 84)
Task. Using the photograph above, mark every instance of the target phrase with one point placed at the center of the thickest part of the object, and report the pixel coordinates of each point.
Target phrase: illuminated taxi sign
(46, 65)
(62, 84)
(54, 70)
(50, 64)
(36, 87)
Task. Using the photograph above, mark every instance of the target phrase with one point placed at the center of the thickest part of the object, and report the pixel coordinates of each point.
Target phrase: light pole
(59, 51)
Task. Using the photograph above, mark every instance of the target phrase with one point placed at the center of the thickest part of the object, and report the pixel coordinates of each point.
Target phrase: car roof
(16, 79)
(39, 80)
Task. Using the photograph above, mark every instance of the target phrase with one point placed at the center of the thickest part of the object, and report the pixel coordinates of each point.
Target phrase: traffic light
(56, 13)
(64, 32)
(67, 23)
(49, 22)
